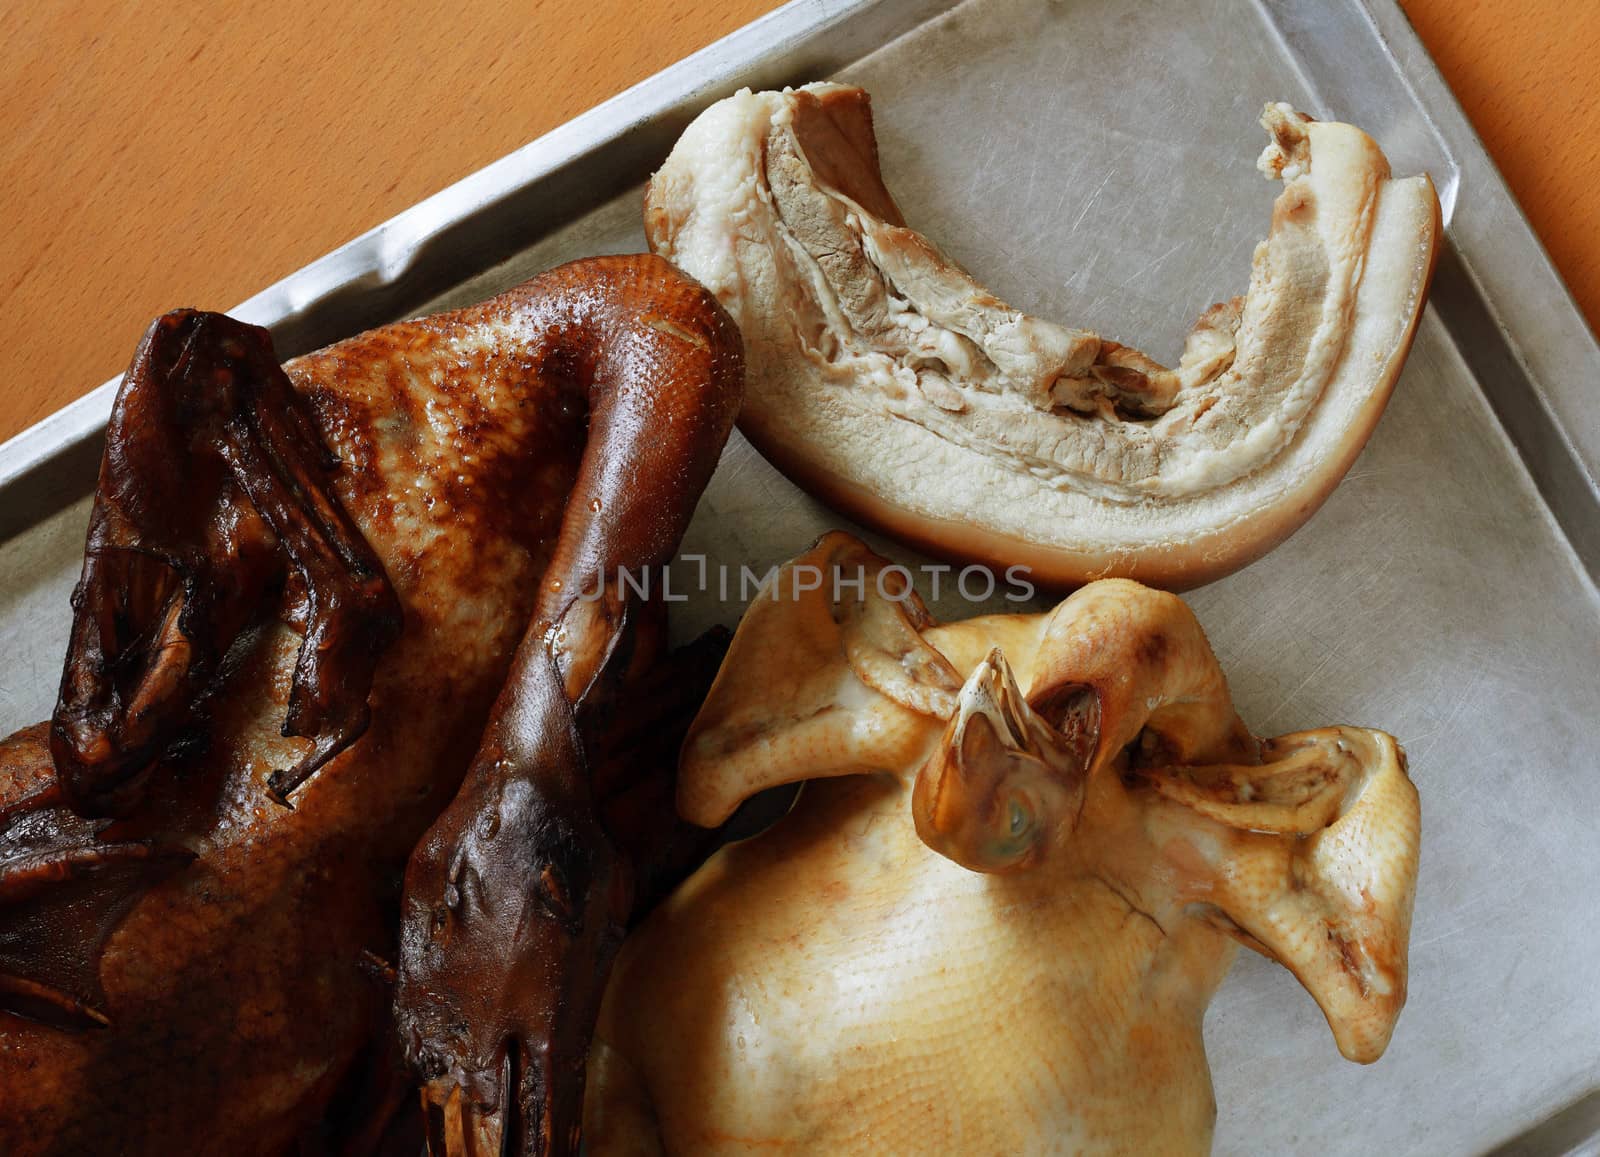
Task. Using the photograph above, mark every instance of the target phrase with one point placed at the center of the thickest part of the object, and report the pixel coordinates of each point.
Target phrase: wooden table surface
(164, 155)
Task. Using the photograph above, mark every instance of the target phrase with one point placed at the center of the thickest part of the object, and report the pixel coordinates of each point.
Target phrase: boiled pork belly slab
(891, 383)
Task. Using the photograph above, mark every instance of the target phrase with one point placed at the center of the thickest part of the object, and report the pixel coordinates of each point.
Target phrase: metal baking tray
(1093, 163)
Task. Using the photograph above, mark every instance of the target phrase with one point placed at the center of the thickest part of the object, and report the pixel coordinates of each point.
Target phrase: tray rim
(1502, 270)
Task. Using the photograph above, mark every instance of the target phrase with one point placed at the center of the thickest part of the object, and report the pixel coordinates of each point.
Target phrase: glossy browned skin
(215, 481)
(516, 901)
(236, 949)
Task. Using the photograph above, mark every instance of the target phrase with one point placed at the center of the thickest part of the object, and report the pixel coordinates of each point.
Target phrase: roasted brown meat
(205, 971)
(215, 480)
(516, 901)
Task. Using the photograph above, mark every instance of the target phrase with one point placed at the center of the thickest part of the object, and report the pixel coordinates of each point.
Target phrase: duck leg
(517, 898)
(214, 486)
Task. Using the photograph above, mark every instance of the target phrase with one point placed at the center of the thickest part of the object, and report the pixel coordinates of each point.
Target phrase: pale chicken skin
(833, 987)
(841, 983)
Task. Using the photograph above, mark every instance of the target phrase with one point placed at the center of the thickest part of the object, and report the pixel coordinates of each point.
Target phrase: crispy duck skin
(205, 971)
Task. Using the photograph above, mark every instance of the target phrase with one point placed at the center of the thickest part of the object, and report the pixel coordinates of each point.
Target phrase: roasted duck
(998, 928)
(302, 592)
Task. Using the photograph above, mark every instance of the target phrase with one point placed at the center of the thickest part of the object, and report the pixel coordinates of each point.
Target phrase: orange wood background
(157, 155)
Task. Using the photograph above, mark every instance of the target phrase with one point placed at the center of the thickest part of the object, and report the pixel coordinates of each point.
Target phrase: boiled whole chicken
(303, 590)
(993, 920)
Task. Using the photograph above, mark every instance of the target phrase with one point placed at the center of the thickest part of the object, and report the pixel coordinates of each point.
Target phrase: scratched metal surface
(1094, 163)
